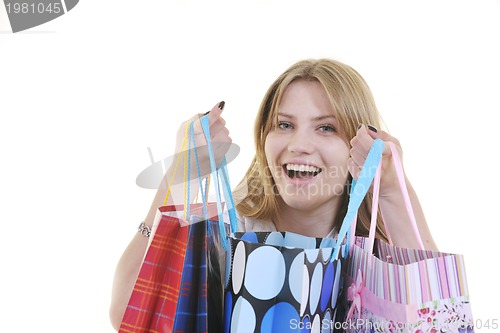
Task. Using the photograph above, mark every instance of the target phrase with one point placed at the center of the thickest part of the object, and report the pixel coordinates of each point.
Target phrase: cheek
(269, 156)
(337, 160)
(267, 150)
(270, 150)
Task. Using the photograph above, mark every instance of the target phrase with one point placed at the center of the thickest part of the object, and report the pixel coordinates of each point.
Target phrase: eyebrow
(286, 115)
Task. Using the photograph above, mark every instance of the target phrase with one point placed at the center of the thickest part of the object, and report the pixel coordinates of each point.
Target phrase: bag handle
(404, 191)
(376, 194)
(374, 212)
(176, 165)
(219, 174)
(358, 192)
(187, 145)
(203, 189)
(216, 173)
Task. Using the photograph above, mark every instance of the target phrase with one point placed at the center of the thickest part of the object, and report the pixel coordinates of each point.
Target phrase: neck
(311, 222)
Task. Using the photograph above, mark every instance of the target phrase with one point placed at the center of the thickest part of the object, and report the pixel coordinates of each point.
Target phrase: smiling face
(306, 151)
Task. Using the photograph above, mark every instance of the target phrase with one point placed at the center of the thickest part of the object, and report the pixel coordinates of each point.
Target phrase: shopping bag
(199, 305)
(171, 293)
(173, 276)
(285, 282)
(280, 282)
(406, 290)
(403, 290)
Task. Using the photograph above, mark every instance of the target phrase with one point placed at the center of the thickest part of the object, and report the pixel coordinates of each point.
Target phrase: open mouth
(301, 171)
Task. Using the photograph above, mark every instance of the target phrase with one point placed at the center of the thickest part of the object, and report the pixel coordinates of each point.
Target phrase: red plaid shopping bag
(153, 303)
(170, 294)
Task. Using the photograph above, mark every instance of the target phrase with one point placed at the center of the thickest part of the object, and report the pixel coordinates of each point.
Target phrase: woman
(313, 132)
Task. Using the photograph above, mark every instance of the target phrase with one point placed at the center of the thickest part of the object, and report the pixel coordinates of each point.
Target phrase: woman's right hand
(219, 136)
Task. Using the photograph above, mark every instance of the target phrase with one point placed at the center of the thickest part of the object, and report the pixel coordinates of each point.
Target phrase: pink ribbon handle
(404, 190)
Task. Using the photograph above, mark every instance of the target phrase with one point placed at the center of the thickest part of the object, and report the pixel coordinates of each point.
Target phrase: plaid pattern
(191, 313)
(153, 302)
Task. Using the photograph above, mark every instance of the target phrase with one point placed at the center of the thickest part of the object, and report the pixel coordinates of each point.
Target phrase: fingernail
(206, 113)
(221, 105)
(372, 128)
(359, 126)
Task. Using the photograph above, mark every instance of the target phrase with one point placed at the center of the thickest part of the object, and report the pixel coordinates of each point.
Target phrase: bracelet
(144, 230)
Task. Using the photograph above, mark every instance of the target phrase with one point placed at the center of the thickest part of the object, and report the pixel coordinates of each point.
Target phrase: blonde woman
(313, 132)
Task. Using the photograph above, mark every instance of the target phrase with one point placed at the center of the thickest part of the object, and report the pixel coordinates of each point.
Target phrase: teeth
(301, 168)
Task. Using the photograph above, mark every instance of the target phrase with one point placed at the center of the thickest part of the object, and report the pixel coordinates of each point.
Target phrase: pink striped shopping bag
(400, 289)
(405, 290)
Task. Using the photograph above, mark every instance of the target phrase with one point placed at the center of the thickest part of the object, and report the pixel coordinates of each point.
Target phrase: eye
(327, 129)
(283, 125)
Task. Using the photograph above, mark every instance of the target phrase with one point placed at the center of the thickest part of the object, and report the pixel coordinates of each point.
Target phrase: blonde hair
(353, 104)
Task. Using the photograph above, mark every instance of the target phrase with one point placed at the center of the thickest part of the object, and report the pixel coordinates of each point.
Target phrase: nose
(301, 143)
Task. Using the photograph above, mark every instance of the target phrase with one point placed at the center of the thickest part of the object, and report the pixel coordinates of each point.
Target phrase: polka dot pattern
(279, 310)
(316, 283)
(245, 321)
(327, 324)
(239, 264)
(265, 283)
(316, 324)
(306, 325)
(296, 276)
(305, 290)
(327, 286)
(280, 282)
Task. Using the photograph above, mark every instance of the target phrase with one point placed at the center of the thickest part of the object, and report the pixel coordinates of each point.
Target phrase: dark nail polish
(359, 126)
(371, 128)
(221, 105)
(206, 113)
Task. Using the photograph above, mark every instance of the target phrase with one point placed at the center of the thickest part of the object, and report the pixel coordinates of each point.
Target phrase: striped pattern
(409, 276)
(153, 302)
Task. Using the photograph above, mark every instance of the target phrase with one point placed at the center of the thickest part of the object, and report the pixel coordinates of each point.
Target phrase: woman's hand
(361, 145)
(397, 222)
(220, 140)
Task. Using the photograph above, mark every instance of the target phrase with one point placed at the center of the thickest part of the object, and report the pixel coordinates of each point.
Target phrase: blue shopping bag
(280, 282)
(198, 298)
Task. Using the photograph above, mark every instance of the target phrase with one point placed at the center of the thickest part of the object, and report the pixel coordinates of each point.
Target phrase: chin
(302, 203)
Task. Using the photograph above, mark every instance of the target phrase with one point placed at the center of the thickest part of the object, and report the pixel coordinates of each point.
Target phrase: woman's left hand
(360, 146)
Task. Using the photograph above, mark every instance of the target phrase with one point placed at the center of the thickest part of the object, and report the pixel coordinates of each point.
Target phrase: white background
(83, 96)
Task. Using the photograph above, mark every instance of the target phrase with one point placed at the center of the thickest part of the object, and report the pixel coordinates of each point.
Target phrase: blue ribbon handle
(231, 208)
(225, 182)
(359, 190)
